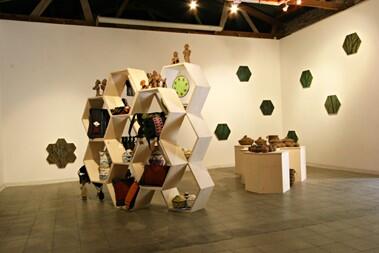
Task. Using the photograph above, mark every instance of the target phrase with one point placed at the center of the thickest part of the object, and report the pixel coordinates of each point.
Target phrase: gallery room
(189, 126)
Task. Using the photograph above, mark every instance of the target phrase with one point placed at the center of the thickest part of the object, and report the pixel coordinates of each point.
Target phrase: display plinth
(298, 162)
(266, 173)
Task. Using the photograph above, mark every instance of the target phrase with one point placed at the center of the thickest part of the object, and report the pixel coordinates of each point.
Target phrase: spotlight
(298, 2)
(234, 8)
(193, 5)
(285, 8)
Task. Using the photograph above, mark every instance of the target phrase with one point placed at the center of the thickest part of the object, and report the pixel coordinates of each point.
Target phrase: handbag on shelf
(131, 195)
(98, 122)
(151, 125)
(155, 172)
(121, 188)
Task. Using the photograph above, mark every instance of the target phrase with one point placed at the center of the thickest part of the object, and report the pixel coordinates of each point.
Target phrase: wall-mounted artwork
(351, 43)
(244, 73)
(332, 104)
(61, 153)
(292, 135)
(222, 131)
(306, 79)
(267, 107)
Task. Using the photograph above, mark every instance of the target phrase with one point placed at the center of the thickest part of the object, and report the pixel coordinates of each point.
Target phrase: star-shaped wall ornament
(61, 153)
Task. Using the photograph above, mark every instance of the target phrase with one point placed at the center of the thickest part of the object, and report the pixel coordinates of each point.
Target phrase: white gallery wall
(48, 71)
(347, 140)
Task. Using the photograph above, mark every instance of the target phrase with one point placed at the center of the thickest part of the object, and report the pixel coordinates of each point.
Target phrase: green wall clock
(181, 85)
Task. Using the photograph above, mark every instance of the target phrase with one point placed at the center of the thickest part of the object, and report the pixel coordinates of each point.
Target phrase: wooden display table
(298, 162)
(266, 173)
(297, 157)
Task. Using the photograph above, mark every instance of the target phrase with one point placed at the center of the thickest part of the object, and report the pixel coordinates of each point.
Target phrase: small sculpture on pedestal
(156, 80)
(175, 58)
(103, 85)
(187, 53)
(97, 88)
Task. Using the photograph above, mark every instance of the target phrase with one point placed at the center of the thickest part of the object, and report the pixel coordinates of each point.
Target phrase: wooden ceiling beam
(40, 8)
(87, 12)
(42, 19)
(249, 21)
(122, 8)
(224, 14)
(259, 15)
(320, 4)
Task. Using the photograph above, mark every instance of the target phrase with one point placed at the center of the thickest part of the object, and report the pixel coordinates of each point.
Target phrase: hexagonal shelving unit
(306, 79)
(243, 73)
(332, 104)
(267, 107)
(351, 44)
(147, 101)
(222, 131)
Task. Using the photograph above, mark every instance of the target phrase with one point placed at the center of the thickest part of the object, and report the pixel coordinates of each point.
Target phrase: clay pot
(246, 141)
(273, 139)
(261, 142)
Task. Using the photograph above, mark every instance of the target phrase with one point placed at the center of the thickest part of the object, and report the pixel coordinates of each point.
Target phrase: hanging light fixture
(193, 5)
(298, 2)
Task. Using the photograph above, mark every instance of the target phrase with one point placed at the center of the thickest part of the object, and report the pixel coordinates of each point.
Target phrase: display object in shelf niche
(129, 89)
(175, 58)
(292, 177)
(98, 123)
(100, 87)
(85, 179)
(105, 162)
(151, 125)
(246, 140)
(121, 188)
(183, 202)
(187, 53)
(156, 170)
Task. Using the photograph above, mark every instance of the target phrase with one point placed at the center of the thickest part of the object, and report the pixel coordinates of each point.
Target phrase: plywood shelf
(146, 101)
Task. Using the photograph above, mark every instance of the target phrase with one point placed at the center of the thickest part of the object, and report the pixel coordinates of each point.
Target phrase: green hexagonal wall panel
(244, 73)
(332, 104)
(292, 135)
(306, 79)
(222, 131)
(267, 107)
(351, 43)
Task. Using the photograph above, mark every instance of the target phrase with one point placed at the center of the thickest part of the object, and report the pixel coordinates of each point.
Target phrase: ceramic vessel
(246, 141)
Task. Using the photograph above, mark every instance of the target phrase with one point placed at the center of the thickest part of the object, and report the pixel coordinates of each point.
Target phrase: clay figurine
(156, 80)
(103, 85)
(175, 58)
(97, 88)
(246, 141)
(187, 53)
(144, 85)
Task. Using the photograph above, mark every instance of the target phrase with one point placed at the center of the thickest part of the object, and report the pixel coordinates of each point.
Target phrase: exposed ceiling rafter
(122, 8)
(87, 12)
(40, 8)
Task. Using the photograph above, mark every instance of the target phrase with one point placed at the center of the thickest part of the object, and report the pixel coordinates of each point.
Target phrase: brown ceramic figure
(246, 141)
(143, 84)
(187, 53)
(97, 88)
(175, 58)
(103, 85)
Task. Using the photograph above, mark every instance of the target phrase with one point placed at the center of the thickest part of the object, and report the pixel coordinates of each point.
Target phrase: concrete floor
(332, 212)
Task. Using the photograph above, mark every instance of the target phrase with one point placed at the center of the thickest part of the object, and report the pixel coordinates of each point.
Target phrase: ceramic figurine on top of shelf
(156, 80)
(175, 58)
(187, 53)
(143, 84)
(97, 88)
(103, 85)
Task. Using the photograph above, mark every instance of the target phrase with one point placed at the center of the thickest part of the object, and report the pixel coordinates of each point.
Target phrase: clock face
(181, 86)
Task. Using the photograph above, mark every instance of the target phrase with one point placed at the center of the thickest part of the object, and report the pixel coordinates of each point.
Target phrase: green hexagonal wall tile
(332, 104)
(351, 43)
(222, 131)
(267, 107)
(306, 78)
(244, 73)
(292, 135)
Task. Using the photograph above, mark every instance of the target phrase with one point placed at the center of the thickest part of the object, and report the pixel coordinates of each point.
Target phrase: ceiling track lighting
(298, 2)
(193, 5)
(234, 6)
